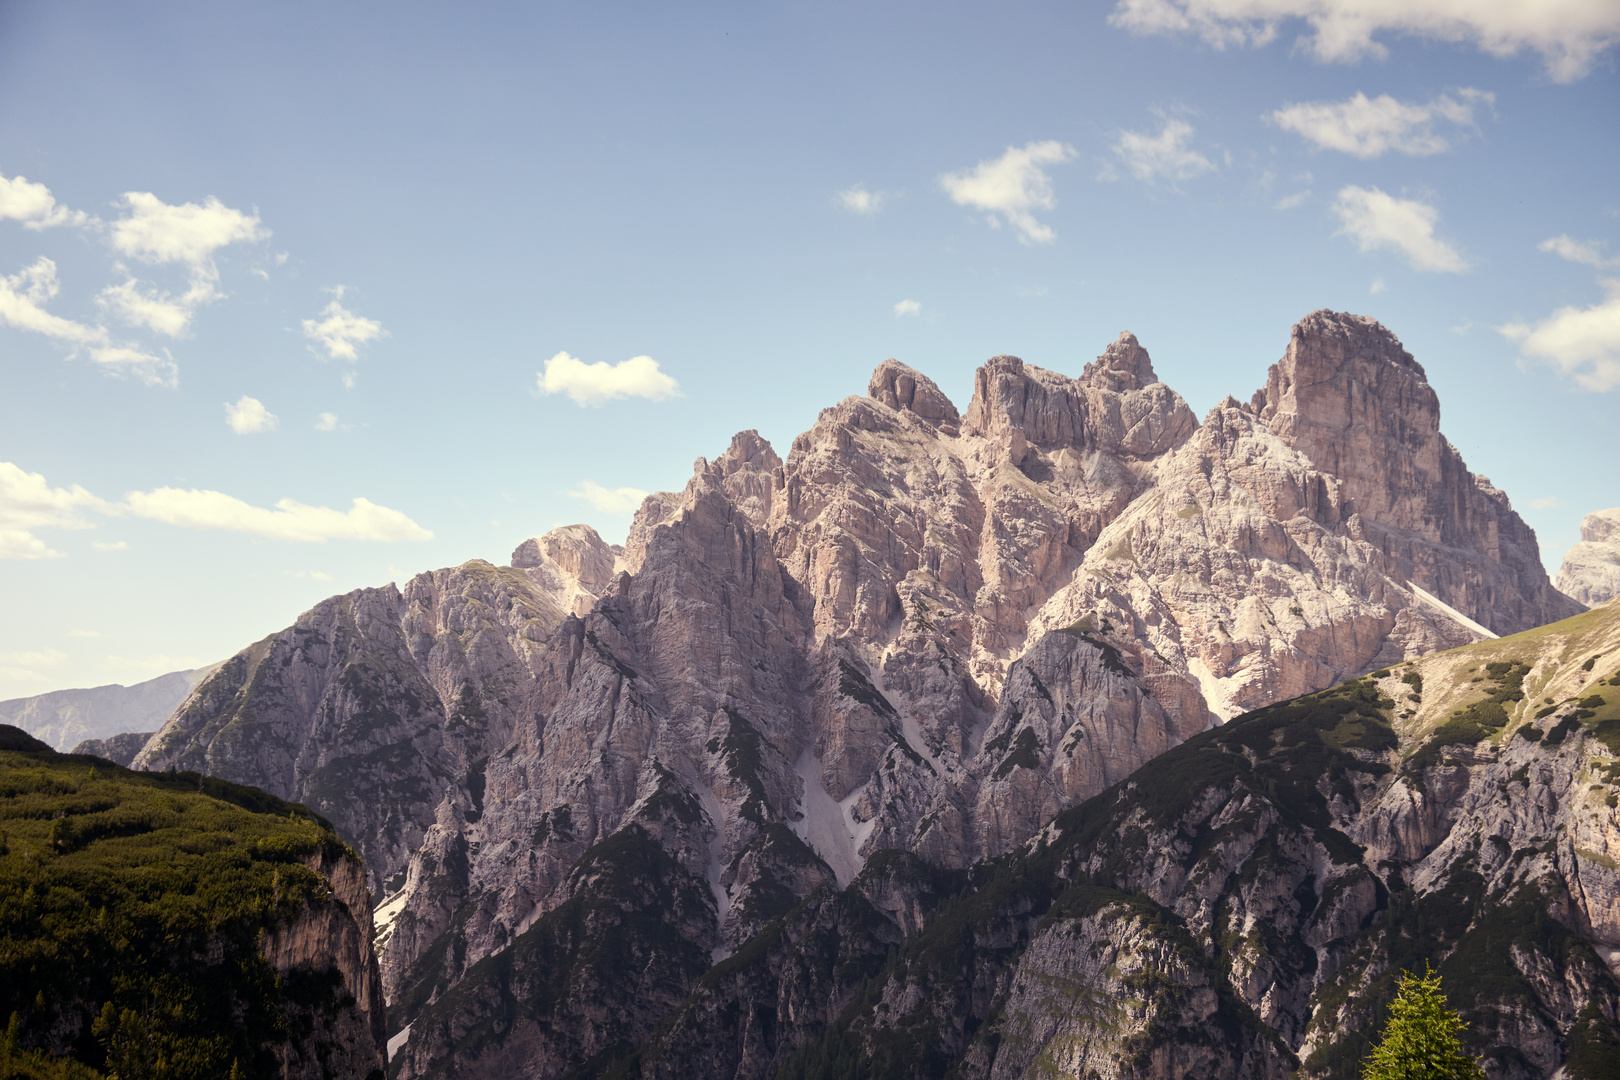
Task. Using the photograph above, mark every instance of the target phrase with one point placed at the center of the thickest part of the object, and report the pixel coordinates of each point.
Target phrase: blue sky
(259, 263)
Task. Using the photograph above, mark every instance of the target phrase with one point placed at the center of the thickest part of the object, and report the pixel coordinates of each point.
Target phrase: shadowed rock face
(925, 632)
(1591, 570)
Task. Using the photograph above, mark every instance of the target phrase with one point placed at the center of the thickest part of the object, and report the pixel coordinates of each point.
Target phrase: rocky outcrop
(378, 705)
(329, 945)
(927, 631)
(120, 749)
(1242, 906)
(1591, 570)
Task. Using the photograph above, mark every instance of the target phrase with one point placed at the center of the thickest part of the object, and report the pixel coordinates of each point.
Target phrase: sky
(307, 297)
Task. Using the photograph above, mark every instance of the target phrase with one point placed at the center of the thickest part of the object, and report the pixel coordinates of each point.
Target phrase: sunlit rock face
(1591, 570)
(925, 633)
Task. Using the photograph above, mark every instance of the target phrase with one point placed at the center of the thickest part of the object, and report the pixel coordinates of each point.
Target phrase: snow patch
(383, 916)
(398, 1041)
(910, 730)
(828, 826)
(722, 898)
(1216, 695)
(1445, 608)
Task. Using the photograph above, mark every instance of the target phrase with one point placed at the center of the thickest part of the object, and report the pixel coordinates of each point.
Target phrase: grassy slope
(131, 911)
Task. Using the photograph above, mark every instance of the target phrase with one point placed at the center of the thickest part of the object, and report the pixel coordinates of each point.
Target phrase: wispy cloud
(139, 305)
(1370, 127)
(29, 502)
(1569, 36)
(907, 307)
(326, 422)
(1376, 220)
(1011, 186)
(313, 575)
(1549, 503)
(189, 234)
(1294, 201)
(26, 665)
(1585, 252)
(128, 360)
(622, 500)
(22, 306)
(103, 545)
(593, 384)
(290, 520)
(1166, 156)
(340, 331)
(860, 201)
(248, 416)
(1580, 343)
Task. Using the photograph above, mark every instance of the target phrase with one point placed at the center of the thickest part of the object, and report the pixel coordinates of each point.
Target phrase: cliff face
(1591, 570)
(927, 631)
(178, 925)
(1240, 907)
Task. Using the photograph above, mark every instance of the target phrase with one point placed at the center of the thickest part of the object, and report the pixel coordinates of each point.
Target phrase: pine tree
(1420, 1041)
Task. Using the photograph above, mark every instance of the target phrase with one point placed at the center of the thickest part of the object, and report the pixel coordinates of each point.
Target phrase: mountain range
(844, 764)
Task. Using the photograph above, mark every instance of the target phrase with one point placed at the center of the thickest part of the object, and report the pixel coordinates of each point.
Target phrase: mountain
(585, 779)
(176, 926)
(1591, 570)
(118, 749)
(66, 718)
(1240, 907)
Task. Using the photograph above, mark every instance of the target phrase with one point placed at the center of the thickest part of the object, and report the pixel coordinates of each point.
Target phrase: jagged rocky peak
(1349, 397)
(1116, 406)
(572, 563)
(1591, 570)
(902, 387)
(1124, 365)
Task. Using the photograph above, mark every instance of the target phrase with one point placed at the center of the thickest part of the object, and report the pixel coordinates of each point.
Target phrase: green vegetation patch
(1481, 720)
(131, 911)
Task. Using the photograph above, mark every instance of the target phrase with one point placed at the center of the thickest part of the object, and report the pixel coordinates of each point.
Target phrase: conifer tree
(1420, 1041)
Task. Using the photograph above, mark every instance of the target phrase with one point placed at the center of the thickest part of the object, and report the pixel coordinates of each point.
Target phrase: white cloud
(1548, 503)
(1291, 202)
(155, 232)
(116, 545)
(146, 307)
(84, 633)
(1582, 343)
(1377, 286)
(22, 300)
(339, 330)
(623, 500)
(127, 360)
(313, 575)
(1569, 34)
(290, 520)
(28, 502)
(1011, 186)
(861, 201)
(249, 416)
(326, 422)
(1376, 220)
(1586, 252)
(907, 307)
(34, 205)
(592, 384)
(1369, 127)
(1165, 156)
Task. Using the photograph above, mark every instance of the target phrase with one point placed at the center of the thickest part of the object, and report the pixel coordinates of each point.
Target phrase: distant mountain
(1591, 570)
(583, 779)
(65, 718)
